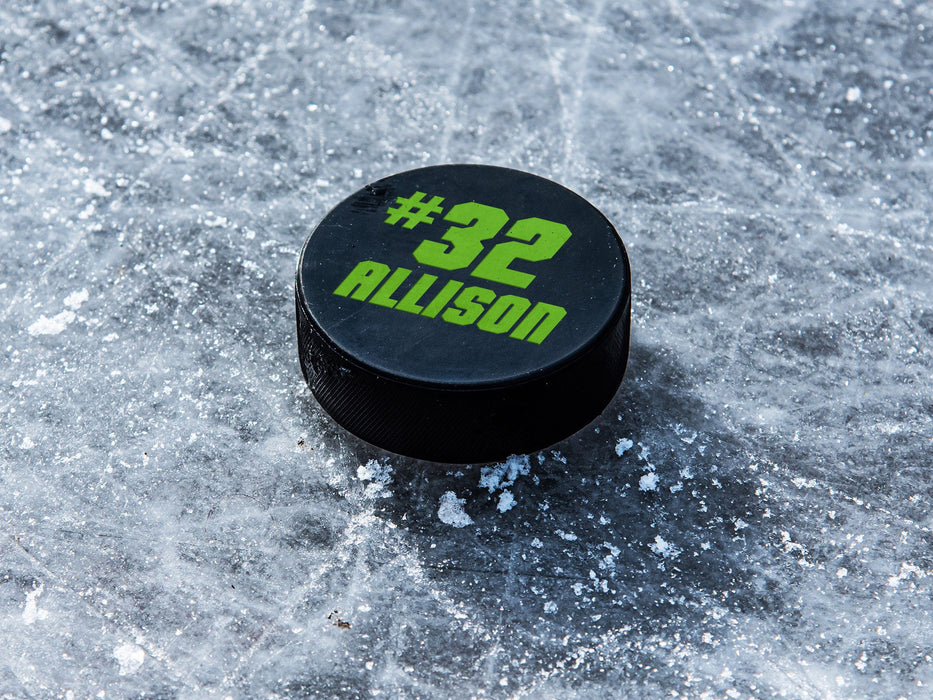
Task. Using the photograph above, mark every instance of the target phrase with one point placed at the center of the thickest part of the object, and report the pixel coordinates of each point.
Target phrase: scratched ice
(751, 515)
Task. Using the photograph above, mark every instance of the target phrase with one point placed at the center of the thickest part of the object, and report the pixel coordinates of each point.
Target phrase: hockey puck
(463, 313)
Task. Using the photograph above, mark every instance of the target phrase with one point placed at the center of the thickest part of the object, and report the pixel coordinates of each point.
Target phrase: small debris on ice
(380, 476)
(95, 188)
(664, 548)
(32, 611)
(74, 300)
(506, 501)
(623, 446)
(130, 657)
(52, 326)
(648, 482)
(503, 475)
(451, 510)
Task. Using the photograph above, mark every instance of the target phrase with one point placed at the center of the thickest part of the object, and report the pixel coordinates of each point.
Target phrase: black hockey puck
(463, 313)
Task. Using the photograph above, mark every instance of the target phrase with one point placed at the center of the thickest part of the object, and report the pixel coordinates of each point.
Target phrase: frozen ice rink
(750, 517)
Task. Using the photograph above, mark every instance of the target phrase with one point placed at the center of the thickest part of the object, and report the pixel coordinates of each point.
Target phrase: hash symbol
(415, 209)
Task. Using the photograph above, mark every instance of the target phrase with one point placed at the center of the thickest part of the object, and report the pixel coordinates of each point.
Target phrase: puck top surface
(463, 276)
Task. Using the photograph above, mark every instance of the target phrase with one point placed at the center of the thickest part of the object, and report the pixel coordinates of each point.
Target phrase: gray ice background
(180, 519)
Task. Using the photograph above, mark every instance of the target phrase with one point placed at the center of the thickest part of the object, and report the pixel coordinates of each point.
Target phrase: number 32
(536, 240)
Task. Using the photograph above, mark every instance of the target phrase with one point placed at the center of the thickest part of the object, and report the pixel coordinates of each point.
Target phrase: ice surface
(179, 517)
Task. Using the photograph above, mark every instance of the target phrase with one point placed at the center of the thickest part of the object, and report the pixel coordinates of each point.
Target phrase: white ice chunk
(623, 445)
(451, 510)
(130, 657)
(95, 188)
(74, 300)
(503, 475)
(664, 548)
(52, 326)
(648, 482)
(32, 612)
